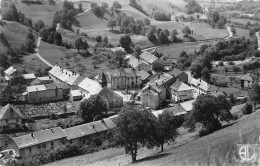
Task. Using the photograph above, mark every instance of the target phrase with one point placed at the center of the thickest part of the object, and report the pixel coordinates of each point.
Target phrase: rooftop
(91, 86)
(175, 72)
(180, 86)
(10, 70)
(188, 105)
(39, 137)
(29, 76)
(10, 112)
(148, 57)
(65, 75)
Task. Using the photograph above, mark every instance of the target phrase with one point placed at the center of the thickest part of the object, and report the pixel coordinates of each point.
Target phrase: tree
(125, 41)
(116, 5)
(215, 16)
(138, 52)
(120, 58)
(174, 33)
(196, 69)
(206, 74)
(248, 108)
(186, 31)
(80, 8)
(39, 25)
(209, 111)
(44, 34)
(99, 38)
(4, 60)
(51, 38)
(166, 128)
(151, 33)
(105, 40)
(163, 38)
(85, 45)
(78, 43)
(111, 23)
(11, 13)
(58, 38)
(30, 43)
(158, 31)
(104, 6)
(166, 32)
(147, 22)
(135, 129)
(226, 69)
(206, 61)
(233, 30)
(92, 107)
(254, 93)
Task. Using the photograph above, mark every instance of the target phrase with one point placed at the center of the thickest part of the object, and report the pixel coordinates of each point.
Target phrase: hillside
(14, 33)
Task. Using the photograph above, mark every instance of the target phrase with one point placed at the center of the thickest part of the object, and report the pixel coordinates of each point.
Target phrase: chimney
(32, 135)
(52, 131)
(93, 127)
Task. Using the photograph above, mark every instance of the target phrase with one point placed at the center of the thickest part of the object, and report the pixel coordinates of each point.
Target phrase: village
(168, 88)
(97, 80)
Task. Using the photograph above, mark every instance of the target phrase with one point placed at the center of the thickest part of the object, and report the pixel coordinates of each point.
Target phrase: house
(139, 64)
(58, 74)
(10, 118)
(246, 81)
(90, 87)
(123, 78)
(13, 76)
(28, 78)
(154, 93)
(181, 91)
(178, 74)
(94, 131)
(203, 87)
(30, 144)
(42, 80)
(46, 93)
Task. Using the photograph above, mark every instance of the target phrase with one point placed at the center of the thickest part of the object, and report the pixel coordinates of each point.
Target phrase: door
(242, 84)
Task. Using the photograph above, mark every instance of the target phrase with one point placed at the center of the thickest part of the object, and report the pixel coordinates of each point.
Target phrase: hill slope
(15, 35)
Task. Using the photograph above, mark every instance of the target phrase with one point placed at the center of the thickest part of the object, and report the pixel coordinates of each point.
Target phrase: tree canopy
(209, 110)
(93, 107)
(186, 31)
(135, 128)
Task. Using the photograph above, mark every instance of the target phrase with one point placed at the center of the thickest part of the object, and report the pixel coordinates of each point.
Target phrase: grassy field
(173, 51)
(15, 35)
(38, 12)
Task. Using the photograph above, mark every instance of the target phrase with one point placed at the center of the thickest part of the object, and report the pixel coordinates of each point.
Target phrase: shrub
(221, 83)
(220, 63)
(162, 16)
(231, 63)
(248, 108)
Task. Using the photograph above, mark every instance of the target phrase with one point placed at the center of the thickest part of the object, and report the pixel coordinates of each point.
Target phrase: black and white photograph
(129, 82)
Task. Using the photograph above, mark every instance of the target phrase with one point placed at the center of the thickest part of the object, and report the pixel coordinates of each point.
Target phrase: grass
(15, 35)
(36, 12)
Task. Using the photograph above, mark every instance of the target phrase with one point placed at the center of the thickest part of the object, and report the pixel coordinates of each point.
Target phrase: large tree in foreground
(92, 107)
(166, 128)
(209, 111)
(135, 129)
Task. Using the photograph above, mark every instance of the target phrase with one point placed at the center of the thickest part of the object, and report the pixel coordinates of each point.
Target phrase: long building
(30, 144)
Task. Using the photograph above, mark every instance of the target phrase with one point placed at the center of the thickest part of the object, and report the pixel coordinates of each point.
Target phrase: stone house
(154, 93)
(10, 118)
(13, 76)
(46, 93)
(181, 91)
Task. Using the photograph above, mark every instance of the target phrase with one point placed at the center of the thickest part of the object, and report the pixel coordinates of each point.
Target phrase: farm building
(178, 74)
(10, 118)
(13, 76)
(42, 81)
(246, 81)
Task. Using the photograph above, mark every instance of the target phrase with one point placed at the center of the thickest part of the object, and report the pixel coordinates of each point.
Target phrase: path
(37, 52)
(229, 32)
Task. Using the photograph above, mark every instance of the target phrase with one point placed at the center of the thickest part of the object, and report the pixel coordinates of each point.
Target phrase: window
(44, 146)
(30, 150)
(39, 147)
(70, 141)
(6, 120)
(52, 144)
